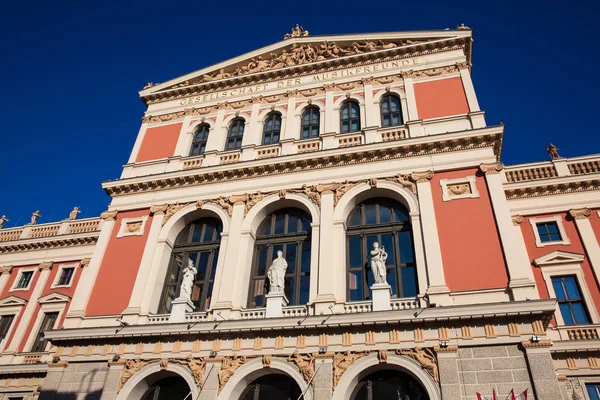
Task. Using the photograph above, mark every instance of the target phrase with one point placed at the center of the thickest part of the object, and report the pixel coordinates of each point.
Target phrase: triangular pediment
(558, 258)
(12, 301)
(302, 51)
(54, 298)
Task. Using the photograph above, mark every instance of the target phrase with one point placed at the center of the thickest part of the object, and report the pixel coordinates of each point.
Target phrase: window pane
(385, 106)
(385, 214)
(554, 237)
(370, 214)
(395, 103)
(279, 224)
(565, 311)
(315, 131)
(579, 313)
(355, 217)
(406, 248)
(197, 233)
(355, 250)
(262, 260)
(387, 241)
(354, 110)
(345, 126)
(400, 215)
(209, 231)
(355, 285)
(196, 293)
(552, 227)
(386, 120)
(593, 391)
(571, 286)
(213, 270)
(292, 224)
(409, 281)
(290, 257)
(208, 297)
(345, 111)
(305, 132)
(355, 126)
(267, 139)
(258, 293)
(558, 288)
(306, 250)
(203, 266)
(290, 290)
(393, 281)
(304, 289)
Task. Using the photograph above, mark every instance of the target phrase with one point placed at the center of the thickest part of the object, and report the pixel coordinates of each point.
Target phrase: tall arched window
(287, 230)
(391, 111)
(310, 123)
(235, 134)
(389, 384)
(386, 222)
(197, 245)
(200, 140)
(272, 129)
(350, 117)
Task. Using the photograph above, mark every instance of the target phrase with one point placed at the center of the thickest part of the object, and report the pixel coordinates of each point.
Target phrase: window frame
(301, 239)
(212, 246)
(53, 302)
(237, 139)
(386, 97)
(560, 263)
(561, 230)
(348, 103)
(196, 141)
(311, 124)
(61, 268)
(39, 336)
(274, 115)
(569, 301)
(18, 278)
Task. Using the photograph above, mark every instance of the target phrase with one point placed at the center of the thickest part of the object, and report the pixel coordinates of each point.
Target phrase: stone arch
(302, 105)
(150, 374)
(254, 369)
(393, 90)
(232, 116)
(204, 121)
(353, 96)
(189, 213)
(272, 203)
(262, 114)
(367, 365)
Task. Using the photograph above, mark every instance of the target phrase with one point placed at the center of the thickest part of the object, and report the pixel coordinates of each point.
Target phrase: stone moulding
(553, 189)
(48, 244)
(319, 162)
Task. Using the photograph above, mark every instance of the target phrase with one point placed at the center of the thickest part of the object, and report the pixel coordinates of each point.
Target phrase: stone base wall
(76, 381)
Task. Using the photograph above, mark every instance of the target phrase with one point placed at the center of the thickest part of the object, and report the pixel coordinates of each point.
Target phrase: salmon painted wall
(441, 98)
(159, 142)
(576, 246)
(595, 221)
(23, 294)
(67, 291)
(119, 268)
(471, 249)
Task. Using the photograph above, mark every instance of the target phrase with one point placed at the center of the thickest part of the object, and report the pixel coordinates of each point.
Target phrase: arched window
(392, 385)
(310, 123)
(272, 129)
(272, 387)
(386, 222)
(287, 230)
(235, 134)
(350, 117)
(200, 140)
(391, 111)
(197, 245)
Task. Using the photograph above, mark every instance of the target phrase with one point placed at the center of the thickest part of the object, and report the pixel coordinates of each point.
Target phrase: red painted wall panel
(159, 142)
(441, 98)
(118, 270)
(470, 244)
(576, 246)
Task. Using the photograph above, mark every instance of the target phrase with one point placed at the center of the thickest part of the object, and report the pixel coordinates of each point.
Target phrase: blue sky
(70, 72)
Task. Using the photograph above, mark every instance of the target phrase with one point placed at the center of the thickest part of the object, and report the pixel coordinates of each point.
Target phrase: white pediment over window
(12, 301)
(558, 258)
(54, 298)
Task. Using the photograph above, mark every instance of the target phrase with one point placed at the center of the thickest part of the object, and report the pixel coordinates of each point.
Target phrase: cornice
(364, 154)
(333, 64)
(48, 243)
(537, 189)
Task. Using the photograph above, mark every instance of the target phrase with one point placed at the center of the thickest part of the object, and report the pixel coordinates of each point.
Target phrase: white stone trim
(61, 267)
(560, 263)
(470, 180)
(18, 278)
(561, 229)
(137, 385)
(13, 306)
(126, 221)
(45, 308)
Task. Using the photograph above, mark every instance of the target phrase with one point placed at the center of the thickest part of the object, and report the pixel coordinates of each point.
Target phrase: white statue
(276, 273)
(187, 282)
(378, 257)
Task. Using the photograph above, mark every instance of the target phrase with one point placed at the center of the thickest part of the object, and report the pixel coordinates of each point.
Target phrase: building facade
(325, 217)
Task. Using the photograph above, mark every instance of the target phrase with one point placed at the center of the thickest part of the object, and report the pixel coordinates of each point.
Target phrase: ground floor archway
(389, 385)
(169, 388)
(272, 387)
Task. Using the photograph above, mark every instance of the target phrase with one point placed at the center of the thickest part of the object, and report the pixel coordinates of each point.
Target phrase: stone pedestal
(381, 294)
(275, 304)
(178, 309)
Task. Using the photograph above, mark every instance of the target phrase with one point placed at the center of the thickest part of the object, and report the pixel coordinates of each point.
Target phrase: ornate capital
(517, 220)
(158, 209)
(6, 269)
(421, 177)
(491, 168)
(109, 215)
(580, 213)
(46, 266)
(85, 262)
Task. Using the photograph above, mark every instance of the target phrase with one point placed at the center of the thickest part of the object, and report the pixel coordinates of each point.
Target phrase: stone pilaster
(541, 368)
(322, 389)
(210, 389)
(448, 372)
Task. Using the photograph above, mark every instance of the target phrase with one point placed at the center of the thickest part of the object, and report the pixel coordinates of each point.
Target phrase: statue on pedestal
(187, 282)
(378, 257)
(35, 216)
(3, 219)
(73, 213)
(276, 273)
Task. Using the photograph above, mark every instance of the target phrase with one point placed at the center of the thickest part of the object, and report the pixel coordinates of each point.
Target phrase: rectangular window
(48, 322)
(65, 276)
(548, 232)
(593, 390)
(572, 307)
(24, 280)
(5, 323)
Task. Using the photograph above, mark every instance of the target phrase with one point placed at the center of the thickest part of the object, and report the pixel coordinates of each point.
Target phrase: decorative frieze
(553, 189)
(426, 73)
(228, 367)
(306, 365)
(425, 357)
(341, 362)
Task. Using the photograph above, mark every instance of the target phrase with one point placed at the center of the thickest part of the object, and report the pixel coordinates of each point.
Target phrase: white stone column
(134, 308)
(289, 131)
(415, 125)
(415, 219)
(521, 281)
(138, 143)
(437, 291)
(465, 76)
(371, 111)
(326, 281)
(88, 275)
(184, 142)
(32, 304)
(251, 129)
(588, 237)
(330, 114)
(230, 282)
(217, 138)
(4, 275)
